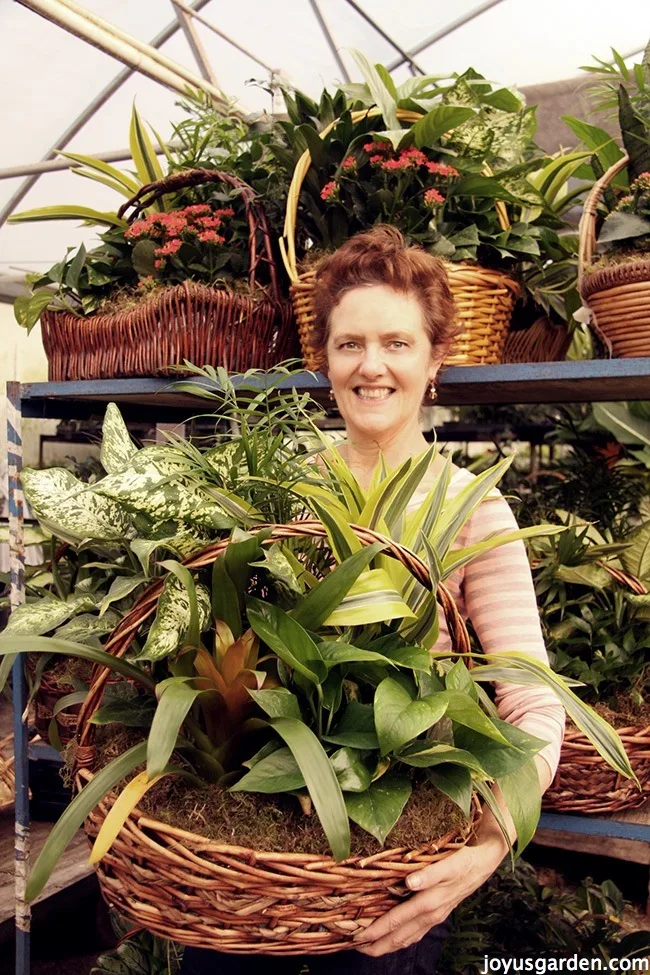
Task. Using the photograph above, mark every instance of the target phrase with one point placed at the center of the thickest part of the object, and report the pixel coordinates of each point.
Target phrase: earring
(433, 392)
(331, 394)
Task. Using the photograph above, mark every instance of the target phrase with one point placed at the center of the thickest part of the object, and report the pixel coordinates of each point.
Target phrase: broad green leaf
(65, 507)
(441, 119)
(382, 96)
(225, 599)
(321, 782)
(619, 420)
(318, 604)
(339, 652)
(465, 711)
(117, 447)
(430, 754)
(136, 712)
(356, 727)
(175, 698)
(458, 678)
(351, 771)
(69, 212)
(171, 625)
(456, 783)
(277, 702)
(495, 758)
(601, 735)
(29, 308)
(596, 140)
(636, 559)
(623, 226)
(243, 549)
(371, 599)
(281, 568)
(120, 588)
(277, 772)
(10, 643)
(146, 162)
(287, 638)
(523, 796)
(378, 808)
(485, 791)
(399, 718)
(415, 658)
(65, 830)
(47, 614)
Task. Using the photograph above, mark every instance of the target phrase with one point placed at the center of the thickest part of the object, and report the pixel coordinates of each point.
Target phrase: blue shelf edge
(589, 826)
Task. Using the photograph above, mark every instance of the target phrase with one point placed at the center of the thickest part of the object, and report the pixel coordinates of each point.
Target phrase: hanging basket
(230, 898)
(484, 299)
(584, 782)
(617, 296)
(206, 325)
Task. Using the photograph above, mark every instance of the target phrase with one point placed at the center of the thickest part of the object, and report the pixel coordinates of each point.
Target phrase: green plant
(347, 704)
(513, 915)
(138, 953)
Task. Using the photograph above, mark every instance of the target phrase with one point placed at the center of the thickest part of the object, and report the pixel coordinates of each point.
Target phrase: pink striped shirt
(496, 593)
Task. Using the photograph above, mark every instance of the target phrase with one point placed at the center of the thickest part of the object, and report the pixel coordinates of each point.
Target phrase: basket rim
(244, 852)
(613, 276)
(153, 301)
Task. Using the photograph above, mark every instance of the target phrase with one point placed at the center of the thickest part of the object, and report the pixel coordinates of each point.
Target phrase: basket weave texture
(618, 296)
(206, 325)
(543, 341)
(484, 299)
(229, 898)
(584, 782)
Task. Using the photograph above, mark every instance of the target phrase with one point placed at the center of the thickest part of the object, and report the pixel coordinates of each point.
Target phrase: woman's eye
(397, 344)
(349, 345)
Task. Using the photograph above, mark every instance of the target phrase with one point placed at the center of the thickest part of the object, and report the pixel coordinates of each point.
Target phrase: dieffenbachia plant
(290, 667)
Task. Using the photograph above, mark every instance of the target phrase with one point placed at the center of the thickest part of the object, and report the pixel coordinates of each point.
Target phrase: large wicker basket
(618, 296)
(584, 782)
(230, 898)
(207, 325)
(484, 299)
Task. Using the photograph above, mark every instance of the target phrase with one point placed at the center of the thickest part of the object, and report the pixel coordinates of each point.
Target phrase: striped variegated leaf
(32, 535)
(156, 483)
(67, 508)
(47, 614)
(172, 621)
(459, 557)
(117, 447)
(371, 599)
(88, 626)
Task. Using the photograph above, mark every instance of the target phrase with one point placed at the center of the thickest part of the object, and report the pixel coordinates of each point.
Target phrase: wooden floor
(73, 865)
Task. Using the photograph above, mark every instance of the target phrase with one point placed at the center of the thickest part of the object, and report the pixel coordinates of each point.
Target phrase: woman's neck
(362, 456)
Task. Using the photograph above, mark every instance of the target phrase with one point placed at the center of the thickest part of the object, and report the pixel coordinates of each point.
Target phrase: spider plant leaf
(10, 644)
(146, 162)
(458, 557)
(128, 185)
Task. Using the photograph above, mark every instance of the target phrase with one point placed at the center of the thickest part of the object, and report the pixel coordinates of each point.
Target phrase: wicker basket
(45, 701)
(584, 782)
(617, 296)
(186, 321)
(230, 898)
(543, 341)
(484, 299)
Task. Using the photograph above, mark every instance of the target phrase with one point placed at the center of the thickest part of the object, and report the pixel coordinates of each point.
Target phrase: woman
(384, 324)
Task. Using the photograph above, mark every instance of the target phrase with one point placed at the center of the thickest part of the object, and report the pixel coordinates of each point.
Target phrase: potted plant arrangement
(447, 161)
(185, 269)
(614, 265)
(292, 660)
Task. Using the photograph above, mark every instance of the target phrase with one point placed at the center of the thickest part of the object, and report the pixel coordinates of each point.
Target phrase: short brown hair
(382, 256)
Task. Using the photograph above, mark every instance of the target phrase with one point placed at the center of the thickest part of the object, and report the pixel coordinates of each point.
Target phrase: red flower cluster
(171, 230)
(330, 191)
(381, 155)
(349, 163)
(433, 199)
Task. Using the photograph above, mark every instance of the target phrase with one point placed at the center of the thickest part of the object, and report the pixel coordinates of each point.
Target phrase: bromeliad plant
(291, 666)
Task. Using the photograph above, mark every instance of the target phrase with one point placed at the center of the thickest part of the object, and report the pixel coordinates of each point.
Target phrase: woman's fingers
(393, 920)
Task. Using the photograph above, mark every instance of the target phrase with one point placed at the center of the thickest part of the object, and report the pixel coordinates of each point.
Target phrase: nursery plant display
(293, 658)
(186, 269)
(614, 266)
(453, 164)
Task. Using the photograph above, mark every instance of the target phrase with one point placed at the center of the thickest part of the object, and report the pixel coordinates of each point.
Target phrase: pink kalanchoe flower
(397, 165)
(199, 209)
(225, 212)
(211, 237)
(349, 163)
(170, 247)
(160, 262)
(329, 191)
(376, 147)
(432, 198)
(416, 155)
(376, 160)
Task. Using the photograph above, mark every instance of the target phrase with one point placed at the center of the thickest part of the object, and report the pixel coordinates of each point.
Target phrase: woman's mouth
(374, 393)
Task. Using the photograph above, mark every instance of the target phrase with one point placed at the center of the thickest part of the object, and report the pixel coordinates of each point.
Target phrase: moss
(625, 712)
(66, 674)
(626, 255)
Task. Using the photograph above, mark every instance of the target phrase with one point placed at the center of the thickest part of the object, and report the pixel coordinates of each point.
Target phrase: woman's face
(380, 361)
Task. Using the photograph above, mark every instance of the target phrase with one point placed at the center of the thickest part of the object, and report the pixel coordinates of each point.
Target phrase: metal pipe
(53, 165)
(121, 36)
(196, 47)
(330, 40)
(87, 114)
(382, 33)
(193, 12)
(445, 31)
(17, 598)
(74, 23)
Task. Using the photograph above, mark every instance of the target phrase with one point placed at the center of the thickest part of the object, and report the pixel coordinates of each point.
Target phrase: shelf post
(17, 598)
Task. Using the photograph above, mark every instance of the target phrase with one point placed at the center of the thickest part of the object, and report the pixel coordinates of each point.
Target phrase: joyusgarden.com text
(574, 963)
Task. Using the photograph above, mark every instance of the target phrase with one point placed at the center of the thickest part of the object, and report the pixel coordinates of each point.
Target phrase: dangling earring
(331, 394)
(433, 392)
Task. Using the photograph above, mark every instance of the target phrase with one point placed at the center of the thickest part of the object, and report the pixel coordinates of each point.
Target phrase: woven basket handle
(123, 634)
(587, 227)
(288, 240)
(255, 215)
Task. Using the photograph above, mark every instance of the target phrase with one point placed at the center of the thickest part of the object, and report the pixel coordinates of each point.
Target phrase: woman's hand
(443, 885)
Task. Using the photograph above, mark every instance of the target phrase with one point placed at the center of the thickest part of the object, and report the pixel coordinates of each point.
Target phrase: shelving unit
(157, 400)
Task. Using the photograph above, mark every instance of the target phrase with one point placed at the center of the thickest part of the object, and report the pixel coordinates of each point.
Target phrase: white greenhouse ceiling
(49, 78)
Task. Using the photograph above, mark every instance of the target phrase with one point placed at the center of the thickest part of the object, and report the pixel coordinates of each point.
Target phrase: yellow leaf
(119, 813)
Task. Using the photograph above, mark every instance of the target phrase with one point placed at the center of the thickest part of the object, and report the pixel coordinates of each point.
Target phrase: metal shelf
(545, 382)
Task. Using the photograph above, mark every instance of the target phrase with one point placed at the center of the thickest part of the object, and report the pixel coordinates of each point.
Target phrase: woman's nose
(372, 363)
